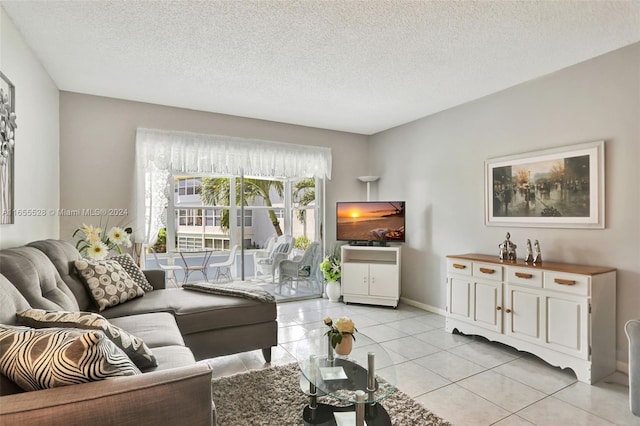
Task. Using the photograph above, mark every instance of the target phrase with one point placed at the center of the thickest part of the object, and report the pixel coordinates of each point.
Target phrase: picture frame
(7, 148)
(553, 188)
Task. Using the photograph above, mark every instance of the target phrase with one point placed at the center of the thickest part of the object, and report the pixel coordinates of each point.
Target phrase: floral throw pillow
(133, 346)
(108, 283)
(129, 265)
(52, 357)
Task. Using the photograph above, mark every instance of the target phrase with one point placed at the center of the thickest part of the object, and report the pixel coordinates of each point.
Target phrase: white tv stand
(371, 275)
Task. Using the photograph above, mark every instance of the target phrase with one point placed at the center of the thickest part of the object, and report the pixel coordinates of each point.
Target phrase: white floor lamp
(368, 180)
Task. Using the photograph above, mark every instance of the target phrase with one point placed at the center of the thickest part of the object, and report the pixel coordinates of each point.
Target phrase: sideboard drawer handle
(459, 266)
(522, 275)
(564, 282)
(487, 270)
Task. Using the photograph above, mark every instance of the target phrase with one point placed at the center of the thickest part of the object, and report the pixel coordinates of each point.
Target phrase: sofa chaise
(182, 329)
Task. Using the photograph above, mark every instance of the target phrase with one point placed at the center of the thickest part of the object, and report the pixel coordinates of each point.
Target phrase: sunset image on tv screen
(370, 221)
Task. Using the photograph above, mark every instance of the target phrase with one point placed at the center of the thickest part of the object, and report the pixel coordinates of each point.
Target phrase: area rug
(272, 396)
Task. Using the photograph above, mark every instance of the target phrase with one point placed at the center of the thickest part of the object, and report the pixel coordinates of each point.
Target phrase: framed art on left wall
(7, 148)
(554, 188)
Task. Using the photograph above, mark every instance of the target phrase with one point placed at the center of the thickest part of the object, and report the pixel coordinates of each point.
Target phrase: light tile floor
(466, 380)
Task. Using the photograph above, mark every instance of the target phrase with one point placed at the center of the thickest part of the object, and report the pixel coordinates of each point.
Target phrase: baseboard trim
(622, 366)
(423, 306)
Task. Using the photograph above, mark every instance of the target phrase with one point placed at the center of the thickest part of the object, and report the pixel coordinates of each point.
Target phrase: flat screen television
(369, 222)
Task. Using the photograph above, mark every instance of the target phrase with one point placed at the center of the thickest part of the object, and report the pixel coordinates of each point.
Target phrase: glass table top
(342, 376)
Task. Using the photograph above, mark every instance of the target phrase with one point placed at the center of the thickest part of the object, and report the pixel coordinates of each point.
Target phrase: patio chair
(305, 269)
(223, 269)
(268, 248)
(169, 269)
(281, 250)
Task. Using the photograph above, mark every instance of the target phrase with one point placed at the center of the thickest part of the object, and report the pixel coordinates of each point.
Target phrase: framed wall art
(554, 188)
(7, 147)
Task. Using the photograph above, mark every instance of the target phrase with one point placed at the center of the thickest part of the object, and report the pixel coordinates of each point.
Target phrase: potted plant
(331, 269)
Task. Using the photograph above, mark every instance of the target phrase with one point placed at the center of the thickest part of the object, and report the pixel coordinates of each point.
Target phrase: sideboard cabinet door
(524, 313)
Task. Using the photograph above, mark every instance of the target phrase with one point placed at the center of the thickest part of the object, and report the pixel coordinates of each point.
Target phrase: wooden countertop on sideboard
(548, 266)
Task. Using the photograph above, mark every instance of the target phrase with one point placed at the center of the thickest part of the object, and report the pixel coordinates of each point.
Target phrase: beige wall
(437, 165)
(37, 140)
(98, 143)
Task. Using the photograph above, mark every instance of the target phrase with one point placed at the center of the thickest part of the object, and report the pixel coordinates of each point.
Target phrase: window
(209, 218)
(248, 218)
(221, 244)
(213, 217)
(188, 186)
(189, 242)
(217, 243)
(189, 217)
(158, 152)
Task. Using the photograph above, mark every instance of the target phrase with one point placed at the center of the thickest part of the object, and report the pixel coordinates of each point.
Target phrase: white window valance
(162, 153)
(184, 152)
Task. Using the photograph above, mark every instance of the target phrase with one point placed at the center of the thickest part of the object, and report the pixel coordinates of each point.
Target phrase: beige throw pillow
(108, 283)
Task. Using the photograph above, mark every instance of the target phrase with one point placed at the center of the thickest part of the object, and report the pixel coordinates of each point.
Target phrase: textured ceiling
(357, 66)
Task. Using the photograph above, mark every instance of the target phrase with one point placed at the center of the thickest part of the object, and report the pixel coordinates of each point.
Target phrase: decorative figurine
(503, 253)
(507, 249)
(537, 258)
(511, 252)
(529, 258)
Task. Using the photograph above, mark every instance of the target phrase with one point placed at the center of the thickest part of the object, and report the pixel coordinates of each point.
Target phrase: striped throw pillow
(47, 358)
(133, 346)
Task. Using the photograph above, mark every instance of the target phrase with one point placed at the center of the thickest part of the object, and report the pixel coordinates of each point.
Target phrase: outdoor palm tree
(216, 191)
(304, 193)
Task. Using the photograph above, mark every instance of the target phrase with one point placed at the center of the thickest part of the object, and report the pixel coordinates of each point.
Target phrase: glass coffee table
(350, 380)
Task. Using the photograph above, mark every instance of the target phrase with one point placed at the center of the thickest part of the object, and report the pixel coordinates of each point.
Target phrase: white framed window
(248, 217)
(189, 217)
(187, 186)
(189, 242)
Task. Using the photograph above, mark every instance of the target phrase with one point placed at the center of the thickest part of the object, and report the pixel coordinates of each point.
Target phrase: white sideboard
(563, 313)
(371, 275)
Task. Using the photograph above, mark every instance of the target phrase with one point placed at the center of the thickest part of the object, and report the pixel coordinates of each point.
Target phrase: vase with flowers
(95, 244)
(331, 269)
(341, 334)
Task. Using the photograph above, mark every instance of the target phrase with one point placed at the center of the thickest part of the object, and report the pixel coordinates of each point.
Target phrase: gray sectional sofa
(181, 327)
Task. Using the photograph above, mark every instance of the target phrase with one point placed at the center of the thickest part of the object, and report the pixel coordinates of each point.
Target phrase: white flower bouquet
(341, 327)
(95, 244)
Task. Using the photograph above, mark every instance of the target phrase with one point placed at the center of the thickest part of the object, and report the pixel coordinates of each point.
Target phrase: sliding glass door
(218, 212)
